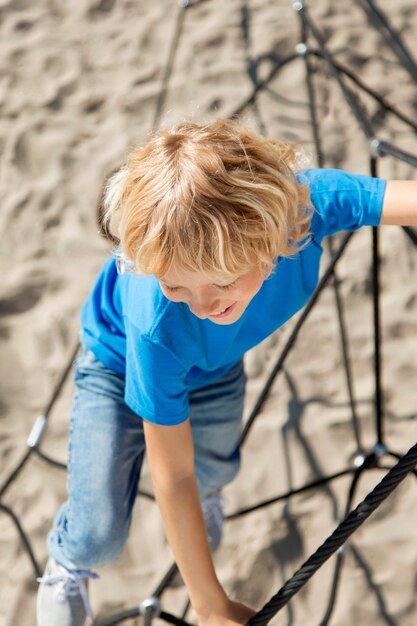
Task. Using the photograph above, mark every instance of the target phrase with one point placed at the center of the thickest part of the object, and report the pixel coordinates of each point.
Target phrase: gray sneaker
(213, 516)
(63, 596)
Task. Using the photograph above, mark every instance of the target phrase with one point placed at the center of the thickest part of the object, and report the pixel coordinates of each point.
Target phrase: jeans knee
(85, 541)
(94, 549)
(85, 546)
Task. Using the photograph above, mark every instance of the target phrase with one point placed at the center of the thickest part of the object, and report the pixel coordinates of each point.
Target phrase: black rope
(292, 492)
(147, 618)
(50, 460)
(350, 97)
(369, 90)
(344, 344)
(263, 83)
(292, 338)
(146, 494)
(119, 618)
(122, 616)
(377, 339)
(171, 619)
(166, 580)
(345, 352)
(186, 609)
(392, 37)
(338, 538)
(385, 148)
(397, 456)
(377, 324)
(15, 473)
(24, 538)
(62, 379)
(378, 147)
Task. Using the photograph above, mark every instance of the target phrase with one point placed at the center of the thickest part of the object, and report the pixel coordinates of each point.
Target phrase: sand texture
(81, 83)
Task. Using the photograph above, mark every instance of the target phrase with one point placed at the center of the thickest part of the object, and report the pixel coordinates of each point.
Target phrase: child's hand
(233, 613)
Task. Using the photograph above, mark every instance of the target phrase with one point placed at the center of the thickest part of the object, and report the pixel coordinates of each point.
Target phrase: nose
(204, 308)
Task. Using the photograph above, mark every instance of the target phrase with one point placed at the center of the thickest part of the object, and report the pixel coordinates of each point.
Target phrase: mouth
(227, 311)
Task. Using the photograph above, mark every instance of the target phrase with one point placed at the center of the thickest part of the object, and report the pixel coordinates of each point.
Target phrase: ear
(108, 204)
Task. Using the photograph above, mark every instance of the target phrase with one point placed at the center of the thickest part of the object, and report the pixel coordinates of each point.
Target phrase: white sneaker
(63, 596)
(213, 516)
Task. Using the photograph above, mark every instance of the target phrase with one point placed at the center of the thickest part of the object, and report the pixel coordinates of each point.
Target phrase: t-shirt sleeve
(343, 201)
(156, 386)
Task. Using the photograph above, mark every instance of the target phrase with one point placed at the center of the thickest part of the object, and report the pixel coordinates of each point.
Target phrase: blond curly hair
(212, 198)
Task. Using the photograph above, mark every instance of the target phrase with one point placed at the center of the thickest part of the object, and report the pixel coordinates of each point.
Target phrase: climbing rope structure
(312, 49)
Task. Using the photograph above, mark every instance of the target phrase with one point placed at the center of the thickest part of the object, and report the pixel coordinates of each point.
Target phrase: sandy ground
(81, 83)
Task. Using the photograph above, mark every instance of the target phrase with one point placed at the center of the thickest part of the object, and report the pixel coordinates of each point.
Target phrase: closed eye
(223, 287)
(171, 288)
(229, 286)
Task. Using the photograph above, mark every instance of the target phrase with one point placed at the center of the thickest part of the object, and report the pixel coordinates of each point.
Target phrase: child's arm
(400, 203)
(171, 457)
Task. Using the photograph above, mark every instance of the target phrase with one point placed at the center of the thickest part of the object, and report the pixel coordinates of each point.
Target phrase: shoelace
(70, 583)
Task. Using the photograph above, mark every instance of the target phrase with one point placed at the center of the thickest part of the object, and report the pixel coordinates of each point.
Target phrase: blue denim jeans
(106, 450)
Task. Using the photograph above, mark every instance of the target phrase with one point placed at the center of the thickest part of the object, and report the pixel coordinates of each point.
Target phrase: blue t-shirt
(165, 351)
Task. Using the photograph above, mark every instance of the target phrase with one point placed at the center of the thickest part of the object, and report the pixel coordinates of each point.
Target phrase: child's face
(208, 298)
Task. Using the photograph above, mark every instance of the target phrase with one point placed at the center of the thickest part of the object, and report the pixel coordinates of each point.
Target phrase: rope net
(319, 61)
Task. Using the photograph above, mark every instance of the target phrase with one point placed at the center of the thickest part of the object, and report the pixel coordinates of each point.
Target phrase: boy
(219, 237)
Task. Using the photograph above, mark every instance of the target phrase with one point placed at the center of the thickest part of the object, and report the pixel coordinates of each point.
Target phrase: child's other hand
(232, 614)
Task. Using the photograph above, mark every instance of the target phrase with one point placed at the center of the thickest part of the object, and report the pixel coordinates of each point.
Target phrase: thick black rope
(338, 537)
(370, 462)
(397, 456)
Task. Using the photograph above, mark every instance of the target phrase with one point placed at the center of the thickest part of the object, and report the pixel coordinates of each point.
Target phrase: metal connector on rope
(359, 460)
(301, 49)
(375, 146)
(380, 450)
(381, 148)
(150, 606)
(298, 5)
(37, 431)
